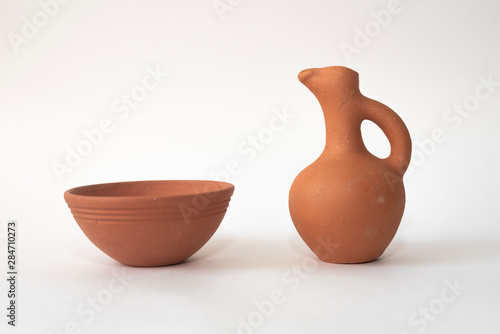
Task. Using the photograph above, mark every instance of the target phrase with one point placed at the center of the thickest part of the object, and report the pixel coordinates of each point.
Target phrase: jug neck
(337, 91)
(343, 128)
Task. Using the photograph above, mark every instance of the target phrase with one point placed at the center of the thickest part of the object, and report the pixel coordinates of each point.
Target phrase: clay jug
(347, 205)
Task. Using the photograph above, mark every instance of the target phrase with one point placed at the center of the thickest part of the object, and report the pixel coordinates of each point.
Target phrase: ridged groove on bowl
(157, 213)
(143, 210)
(150, 216)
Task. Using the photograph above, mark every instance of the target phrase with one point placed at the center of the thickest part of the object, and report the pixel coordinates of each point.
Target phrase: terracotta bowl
(150, 223)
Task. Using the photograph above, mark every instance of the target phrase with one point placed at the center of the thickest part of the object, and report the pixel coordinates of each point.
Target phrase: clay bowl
(150, 223)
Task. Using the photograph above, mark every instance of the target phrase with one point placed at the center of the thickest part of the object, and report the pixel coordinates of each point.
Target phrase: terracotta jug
(347, 205)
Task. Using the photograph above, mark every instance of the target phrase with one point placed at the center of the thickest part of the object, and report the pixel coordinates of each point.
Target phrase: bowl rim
(73, 198)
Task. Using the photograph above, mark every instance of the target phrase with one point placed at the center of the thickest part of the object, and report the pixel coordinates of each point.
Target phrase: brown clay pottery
(347, 205)
(150, 223)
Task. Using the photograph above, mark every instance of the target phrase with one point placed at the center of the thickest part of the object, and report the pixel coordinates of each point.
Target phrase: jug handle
(396, 132)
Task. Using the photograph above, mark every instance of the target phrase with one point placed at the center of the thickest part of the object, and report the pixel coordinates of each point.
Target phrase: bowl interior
(167, 188)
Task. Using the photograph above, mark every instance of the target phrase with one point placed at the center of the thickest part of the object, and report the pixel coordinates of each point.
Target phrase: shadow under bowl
(150, 223)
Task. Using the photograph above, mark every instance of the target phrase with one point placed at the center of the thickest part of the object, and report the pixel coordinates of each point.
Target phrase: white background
(227, 76)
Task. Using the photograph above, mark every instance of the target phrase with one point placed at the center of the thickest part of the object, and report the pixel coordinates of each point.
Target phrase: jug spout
(332, 84)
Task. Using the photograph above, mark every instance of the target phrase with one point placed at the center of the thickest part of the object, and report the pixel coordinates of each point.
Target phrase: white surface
(226, 79)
